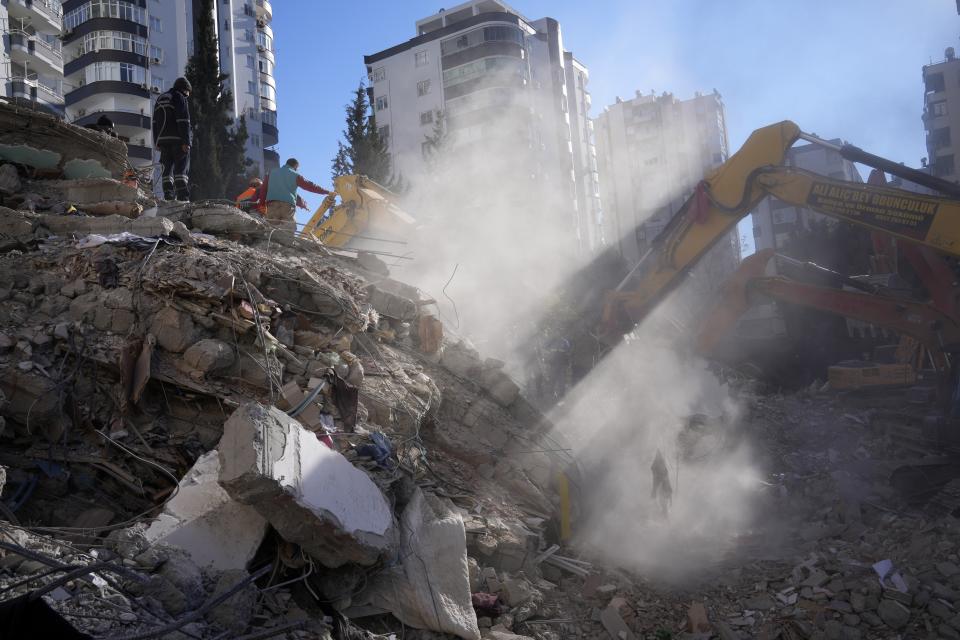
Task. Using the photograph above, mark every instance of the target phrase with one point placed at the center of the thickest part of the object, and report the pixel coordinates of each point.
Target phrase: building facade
(32, 63)
(121, 54)
(507, 89)
(653, 151)
(941, 115)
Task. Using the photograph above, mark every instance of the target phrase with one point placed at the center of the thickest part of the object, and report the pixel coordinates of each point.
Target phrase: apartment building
(121, 54)
(32, 61)
(508, 91)
(941, 115)
(653, 150)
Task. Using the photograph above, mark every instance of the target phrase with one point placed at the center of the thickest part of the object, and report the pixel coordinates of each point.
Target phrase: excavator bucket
(733, 302)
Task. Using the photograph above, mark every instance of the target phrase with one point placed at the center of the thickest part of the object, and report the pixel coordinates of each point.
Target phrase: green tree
(364, 150)
(217, 155)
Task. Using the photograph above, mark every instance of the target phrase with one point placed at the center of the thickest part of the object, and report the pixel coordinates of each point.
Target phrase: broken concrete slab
(224, 220)
(614, 624)
(209, 355)
(42, 141)
(9, 179)
(311, 494)
(105, 225)
(173, 329)
(203, 520)
(94, 190)
(430, 587)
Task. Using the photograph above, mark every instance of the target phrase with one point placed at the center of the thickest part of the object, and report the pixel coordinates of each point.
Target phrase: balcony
(27, 49)
(268, 124)
(271, 159)
(264, 10)
(47, 15)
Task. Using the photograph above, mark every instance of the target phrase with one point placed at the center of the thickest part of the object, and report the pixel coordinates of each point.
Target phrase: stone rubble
(209, 429)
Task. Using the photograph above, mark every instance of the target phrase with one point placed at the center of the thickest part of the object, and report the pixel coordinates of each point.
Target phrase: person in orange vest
(249, 200)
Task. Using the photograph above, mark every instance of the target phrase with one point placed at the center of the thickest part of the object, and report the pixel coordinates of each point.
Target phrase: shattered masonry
(208, 430)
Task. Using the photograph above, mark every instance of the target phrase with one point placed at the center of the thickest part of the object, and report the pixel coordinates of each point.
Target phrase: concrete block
(174, 330)
(203, 520)
(209, 355)
(312, 495)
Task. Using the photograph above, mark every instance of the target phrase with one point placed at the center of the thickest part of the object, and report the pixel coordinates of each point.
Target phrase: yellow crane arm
(366, 209)
(732, 191)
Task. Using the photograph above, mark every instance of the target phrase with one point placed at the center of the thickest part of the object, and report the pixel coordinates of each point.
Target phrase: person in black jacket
(173, 136)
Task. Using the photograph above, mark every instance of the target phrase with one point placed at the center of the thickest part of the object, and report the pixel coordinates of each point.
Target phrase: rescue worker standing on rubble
(249, 200)
(279, 198)
(173, 136)
(662, 490)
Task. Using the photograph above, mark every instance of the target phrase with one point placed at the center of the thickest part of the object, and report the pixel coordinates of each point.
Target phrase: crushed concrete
(202, 517)
(309, 493)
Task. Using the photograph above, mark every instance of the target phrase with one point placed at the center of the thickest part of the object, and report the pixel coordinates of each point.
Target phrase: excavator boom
(728, 194)
(367, 212)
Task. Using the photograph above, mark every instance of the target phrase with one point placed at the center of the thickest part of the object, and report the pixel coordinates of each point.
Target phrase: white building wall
(243, 27)
(529, 96)
(31, 66)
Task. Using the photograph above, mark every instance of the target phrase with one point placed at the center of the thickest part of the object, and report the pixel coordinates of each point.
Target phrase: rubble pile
(213, 429)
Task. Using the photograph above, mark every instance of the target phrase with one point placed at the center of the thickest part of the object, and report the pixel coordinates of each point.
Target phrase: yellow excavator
(366, 215)
(757, 171)
(604, 301)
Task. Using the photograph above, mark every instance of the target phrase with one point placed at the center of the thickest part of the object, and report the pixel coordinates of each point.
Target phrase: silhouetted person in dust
(662, 490)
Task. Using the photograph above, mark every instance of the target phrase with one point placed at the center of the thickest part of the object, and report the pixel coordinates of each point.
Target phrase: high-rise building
(32, 60)
(509, 91)
(653, 150)
(247, 57)
(941, 115)
(121, 54)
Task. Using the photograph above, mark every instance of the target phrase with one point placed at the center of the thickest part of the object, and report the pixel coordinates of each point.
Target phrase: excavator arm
(728, 194)
(367, 211)
(919, 320)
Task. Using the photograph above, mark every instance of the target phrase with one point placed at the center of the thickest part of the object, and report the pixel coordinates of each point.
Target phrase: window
(426, 117)
(463, 42)
(116, 71)
(250, 61)
(940, 138)
(158, 82)
(943, 166)
(255, 139)
(379, 74)
(934, 82)
(156, 24)
(156, 53)
(384, 132)
(248, 35)
(118, 40)
(247, 9)
(939, 108)
(423, 88)
(120, 9)
(252, 87)
(420, 58)
(226, 25)
(382, 103)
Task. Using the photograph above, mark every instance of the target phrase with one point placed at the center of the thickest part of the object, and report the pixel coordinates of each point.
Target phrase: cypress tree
(363, 150)
(217, 157)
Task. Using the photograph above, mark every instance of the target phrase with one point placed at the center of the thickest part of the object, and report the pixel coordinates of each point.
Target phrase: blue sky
(839, 68)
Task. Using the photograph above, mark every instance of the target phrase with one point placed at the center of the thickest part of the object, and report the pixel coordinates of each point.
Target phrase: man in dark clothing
(104, 125)
(173, 136)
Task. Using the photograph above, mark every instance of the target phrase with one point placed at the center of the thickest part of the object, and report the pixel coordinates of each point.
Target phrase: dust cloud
(494, 239)
(637, 401)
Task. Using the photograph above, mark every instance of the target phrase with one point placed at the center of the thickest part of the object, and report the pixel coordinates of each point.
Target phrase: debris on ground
(213, 429)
